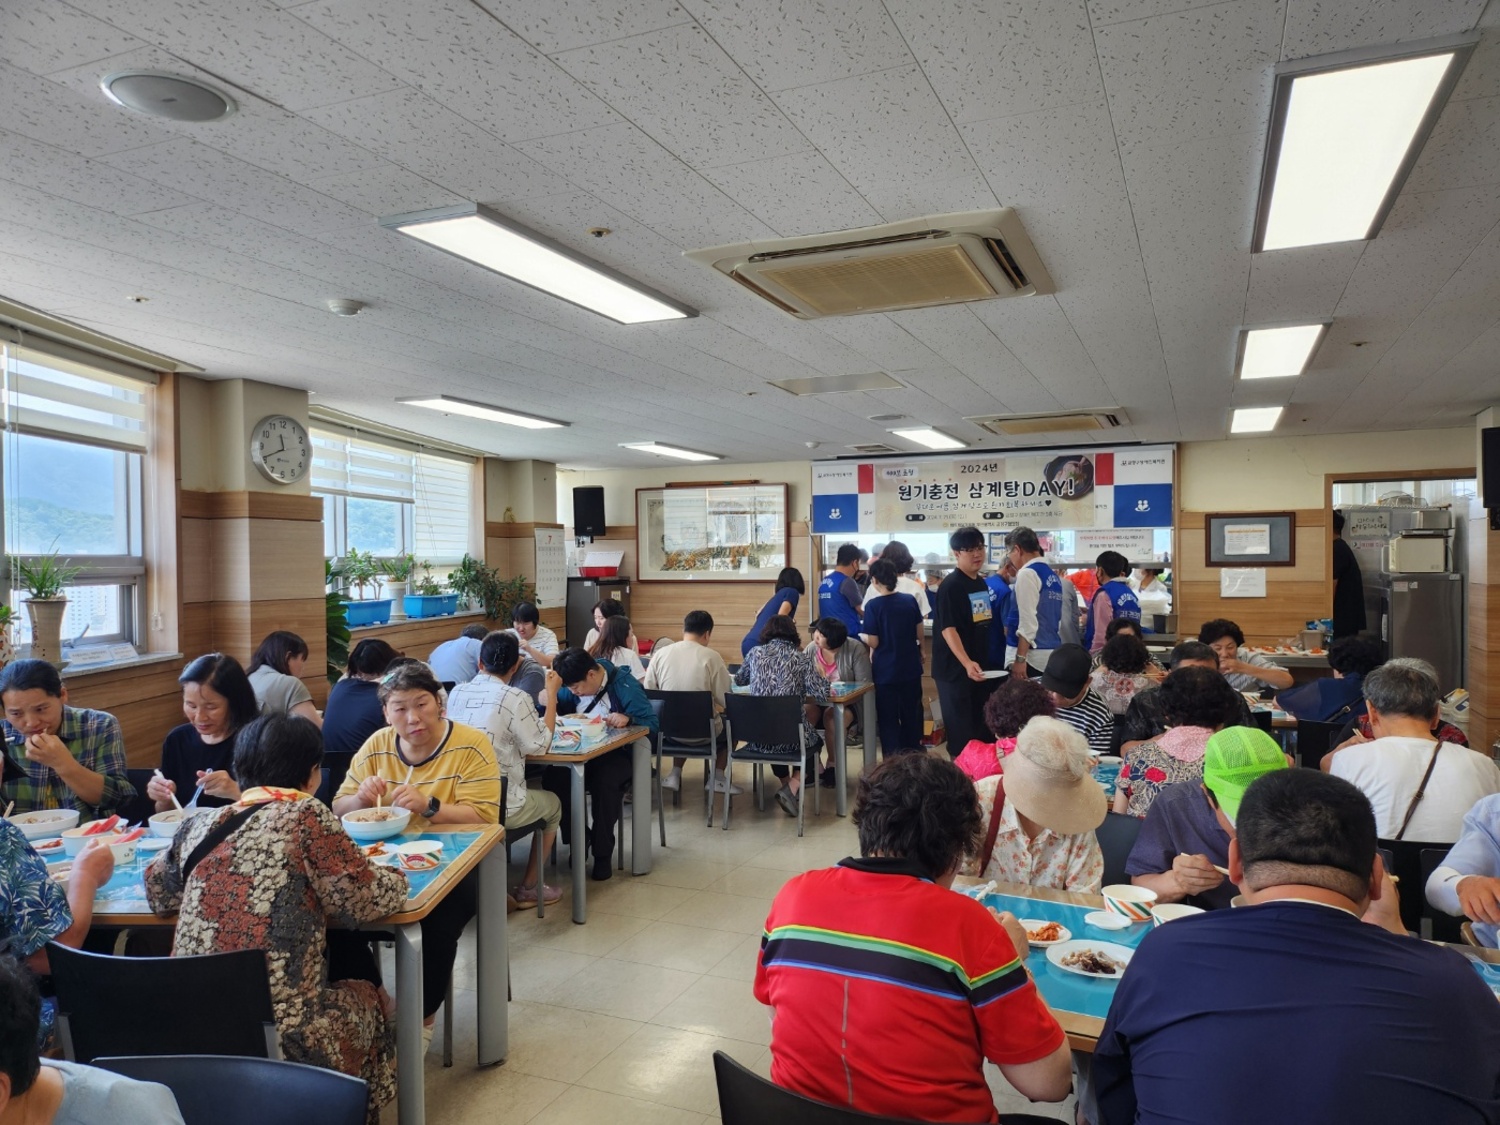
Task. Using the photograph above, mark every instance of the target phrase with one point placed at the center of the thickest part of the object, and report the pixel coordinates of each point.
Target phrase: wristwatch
(432, 808)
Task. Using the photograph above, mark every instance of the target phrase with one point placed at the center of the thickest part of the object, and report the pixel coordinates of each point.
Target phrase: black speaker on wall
(588, 511)
(1489, 467)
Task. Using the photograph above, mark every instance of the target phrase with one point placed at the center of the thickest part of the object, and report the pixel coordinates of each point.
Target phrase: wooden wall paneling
(145, 699)
(196, 549)
(420, 636)
(266, 560)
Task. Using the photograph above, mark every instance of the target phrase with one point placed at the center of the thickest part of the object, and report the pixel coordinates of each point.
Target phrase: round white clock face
(281, 449)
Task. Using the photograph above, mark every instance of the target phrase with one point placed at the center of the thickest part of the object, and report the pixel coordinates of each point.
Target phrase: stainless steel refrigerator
(583, 594)
(1414, 612)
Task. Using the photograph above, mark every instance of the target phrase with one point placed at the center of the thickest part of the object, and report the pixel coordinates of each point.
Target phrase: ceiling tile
(44, 111)
(795, 195)
(1002, 58)
(560, 25)
(1320, 27)
(1103, 12)
(1464, 149)
(411, 129)
(41, 36)
(787, 43)
(874, 125)
(467, 60)
(680, 87)
(1303, 284)
(253, 44)
(887, 345)
(90, 182)
(1481, 77)
(385, 191)
(960, 337)
(1038, 333)
(898, 197)
(1192, 74)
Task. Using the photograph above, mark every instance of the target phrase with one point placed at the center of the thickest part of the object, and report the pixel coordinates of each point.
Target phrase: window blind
(346, 464)
(57, 397)
(441, 518)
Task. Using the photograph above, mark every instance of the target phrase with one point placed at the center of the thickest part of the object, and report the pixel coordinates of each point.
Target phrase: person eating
(537, 641)
(1196, 702)
(1245, 670)
(218, 701)
(1144, 718)
(58, 756)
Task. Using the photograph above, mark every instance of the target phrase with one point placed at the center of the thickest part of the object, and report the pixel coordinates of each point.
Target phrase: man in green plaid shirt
(56, 756)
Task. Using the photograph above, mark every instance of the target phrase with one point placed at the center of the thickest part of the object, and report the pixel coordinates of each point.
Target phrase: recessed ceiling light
(450, 405)
(167, 95)
(837, 384)
(1271, 353)
(475, 233)
(886, 417)
(932, 439)
(1254, 419)
(1345, 131)
(670, 451)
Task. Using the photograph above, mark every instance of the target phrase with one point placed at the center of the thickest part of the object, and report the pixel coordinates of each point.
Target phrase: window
(74, 443)
(387, 498)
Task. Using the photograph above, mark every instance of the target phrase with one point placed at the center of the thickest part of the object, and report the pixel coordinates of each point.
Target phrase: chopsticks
(1221, 870)
(9, 809)
(161, 777)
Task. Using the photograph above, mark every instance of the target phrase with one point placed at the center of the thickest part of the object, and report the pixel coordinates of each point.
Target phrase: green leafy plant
(358, 569)
(45, 577)
(427, 586)
(335, 623)
(501, 595)
(400, 568)
(467, 579)
(7, 615)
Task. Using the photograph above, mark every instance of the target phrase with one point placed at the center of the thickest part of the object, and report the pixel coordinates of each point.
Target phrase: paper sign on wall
(551, 567)
(1242, 582)
(1247, 539)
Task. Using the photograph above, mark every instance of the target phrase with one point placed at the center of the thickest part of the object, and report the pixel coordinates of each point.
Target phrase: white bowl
(123, 853)
(1128, 901)
(40, 824)
(74, 840)
(363, 825)
(166, 824)
(1171, 911)
(1104, 920)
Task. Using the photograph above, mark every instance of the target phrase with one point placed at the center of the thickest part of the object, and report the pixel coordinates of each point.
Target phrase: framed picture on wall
(1241, 539)
(711, 533)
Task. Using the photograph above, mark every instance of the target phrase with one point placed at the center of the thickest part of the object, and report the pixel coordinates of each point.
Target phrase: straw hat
(1049, 778)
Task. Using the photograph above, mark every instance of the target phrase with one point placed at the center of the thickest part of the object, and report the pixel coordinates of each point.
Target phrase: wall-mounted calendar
(551, 567)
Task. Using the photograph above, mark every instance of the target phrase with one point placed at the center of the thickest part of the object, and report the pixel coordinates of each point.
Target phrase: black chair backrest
(220, 1003)
(1116, 837)
(768, 720)
(685, 714)
(1412, 861)
(1315, 739)
(1262, 719)
(229, 1090)
(745, 1098)
(1445, 927)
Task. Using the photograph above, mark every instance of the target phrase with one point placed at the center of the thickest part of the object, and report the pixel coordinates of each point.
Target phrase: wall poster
(711, 533)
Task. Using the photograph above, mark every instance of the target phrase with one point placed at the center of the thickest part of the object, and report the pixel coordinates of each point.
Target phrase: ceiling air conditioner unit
(938, 260)
(873, 447)
(1027, 425)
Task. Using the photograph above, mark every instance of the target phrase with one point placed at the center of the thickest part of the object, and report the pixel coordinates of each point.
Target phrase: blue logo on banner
(1143, 505)
(836, 514)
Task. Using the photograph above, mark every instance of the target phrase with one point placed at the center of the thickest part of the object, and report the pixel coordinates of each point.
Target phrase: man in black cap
(1067, 681)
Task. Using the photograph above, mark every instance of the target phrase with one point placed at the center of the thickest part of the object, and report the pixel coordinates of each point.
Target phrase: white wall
(620, 485)
(1246, 474)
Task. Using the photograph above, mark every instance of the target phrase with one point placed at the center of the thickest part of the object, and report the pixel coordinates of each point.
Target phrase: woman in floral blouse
(1195, 702)
(1124, 668)
(272, 885)
(778, 666)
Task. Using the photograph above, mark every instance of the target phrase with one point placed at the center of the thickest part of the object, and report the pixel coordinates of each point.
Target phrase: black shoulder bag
(226, 828)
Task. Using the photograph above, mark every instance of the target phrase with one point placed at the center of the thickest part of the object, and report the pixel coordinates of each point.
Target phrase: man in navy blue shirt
(893, 632)
(838, 596)
(1293, 1009)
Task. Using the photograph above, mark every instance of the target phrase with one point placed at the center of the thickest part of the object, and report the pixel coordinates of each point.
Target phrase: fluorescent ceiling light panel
(1272, 353)
(1346, 130)
(450, 405)
(833, 384)
(1255, 419)
(670, 451)
(932, 439)
(477, 234)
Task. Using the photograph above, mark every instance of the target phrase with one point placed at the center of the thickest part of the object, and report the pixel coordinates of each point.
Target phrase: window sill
(144, 660)
(469, 616)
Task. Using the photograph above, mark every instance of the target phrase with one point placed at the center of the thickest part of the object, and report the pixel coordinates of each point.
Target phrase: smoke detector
(343, 306)
(171, 96)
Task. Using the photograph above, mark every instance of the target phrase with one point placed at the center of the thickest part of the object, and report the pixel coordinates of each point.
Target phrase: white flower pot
(46, 628)
(396, 591)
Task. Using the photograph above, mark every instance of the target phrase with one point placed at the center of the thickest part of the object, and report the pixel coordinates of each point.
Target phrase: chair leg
(802, 797)
(448, 1025)
(620, 847)
(541, 870)
(661, 805)
(726, 797)
(710, 772)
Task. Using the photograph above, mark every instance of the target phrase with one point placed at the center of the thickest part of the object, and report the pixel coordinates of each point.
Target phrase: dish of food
(372, 816)
(1102, 960)
(375, 850)
(1071, 475)
(1042, 934)
(60, 871)
(366, 826)
(48, 847)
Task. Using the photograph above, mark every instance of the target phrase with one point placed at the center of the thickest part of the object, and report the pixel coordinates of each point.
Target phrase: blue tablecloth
(1490, 974)
(125, 893)
(1065, 991)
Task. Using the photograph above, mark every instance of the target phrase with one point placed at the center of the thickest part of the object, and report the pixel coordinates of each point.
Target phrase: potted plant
(398, 572)
(336, 624)
(7, 648)
(43, 579)
(360, 569)
(502, 595)
(467, 581)
(428, 598)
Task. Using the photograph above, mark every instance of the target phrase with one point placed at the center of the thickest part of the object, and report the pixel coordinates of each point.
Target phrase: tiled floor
(615, 1022)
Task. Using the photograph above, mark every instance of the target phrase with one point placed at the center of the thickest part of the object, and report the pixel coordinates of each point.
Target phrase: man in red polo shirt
(888, 990)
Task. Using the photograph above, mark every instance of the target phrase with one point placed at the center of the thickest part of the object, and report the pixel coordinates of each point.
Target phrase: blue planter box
(431, 605)
(373, 612)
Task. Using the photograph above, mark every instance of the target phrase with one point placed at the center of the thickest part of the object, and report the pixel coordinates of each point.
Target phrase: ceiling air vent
(937, 260)
(1025, 425)
(872, 448)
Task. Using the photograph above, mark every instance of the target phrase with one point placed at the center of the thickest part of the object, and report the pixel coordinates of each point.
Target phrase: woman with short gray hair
(1419, 786)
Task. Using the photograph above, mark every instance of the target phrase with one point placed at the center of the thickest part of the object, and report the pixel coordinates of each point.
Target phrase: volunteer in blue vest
(1113, 599)
(1035, 611)
(999, 584)
(838, 596)
(961, 619)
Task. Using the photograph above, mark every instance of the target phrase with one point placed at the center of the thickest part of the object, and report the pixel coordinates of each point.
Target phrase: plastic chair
(218, 1002)
(768, 720)
(229, 1090)
(1265, 720)
(745, 1098)
(1314, 739)
(685, 715)
(1441, 926)
(1116, 837)
(1412, 861)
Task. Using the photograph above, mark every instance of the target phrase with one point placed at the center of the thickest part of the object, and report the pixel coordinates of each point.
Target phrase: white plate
(53, 846)
(1029, 924)
(1062, 949)
(153, 843)
(996, 674)
(1105, 920)
(419, 847)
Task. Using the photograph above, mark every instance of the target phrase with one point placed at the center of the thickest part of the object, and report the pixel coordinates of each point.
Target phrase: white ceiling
(1127, 133)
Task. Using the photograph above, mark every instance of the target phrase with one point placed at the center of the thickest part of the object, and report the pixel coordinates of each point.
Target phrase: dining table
(122, 902)
(640, 816)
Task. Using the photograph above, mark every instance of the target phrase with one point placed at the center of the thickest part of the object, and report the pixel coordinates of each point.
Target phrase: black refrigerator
(583, 594)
